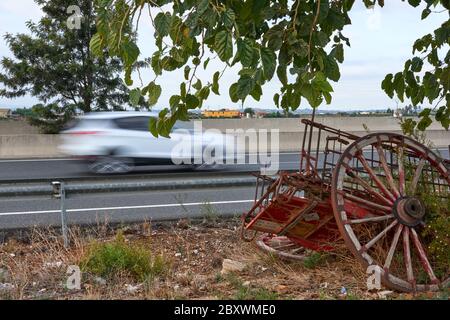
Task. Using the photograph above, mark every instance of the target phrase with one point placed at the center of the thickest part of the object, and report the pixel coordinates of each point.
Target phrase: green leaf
(135, 96)
(443, 116)
(215, 84)
(197, 85)
(233, 92)
(228, 18)
(205, 64)
(192, 101)
(96, 45)
(321, 83)
(154, 92)
(183, 90)
(245, 52)
(174, 101)
(276, 99)
(281, 73)
(338, 52)
(152, 126)
(387, 85)
(268, 59)
(416, 64)
(187, 69)
(130, 52)
(327, 97)
(414, 3)
(223, 45)
(424, 123)
(256, 92)
(128, 80)
(163, 23)
(156, 63)
(425, 13)
(399, 85)
(331, 69)
(244, 86)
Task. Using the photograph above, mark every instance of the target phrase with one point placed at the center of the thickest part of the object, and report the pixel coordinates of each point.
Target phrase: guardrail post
(59, 192)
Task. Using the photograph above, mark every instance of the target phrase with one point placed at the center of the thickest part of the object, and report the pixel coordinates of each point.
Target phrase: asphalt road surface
(24, 169)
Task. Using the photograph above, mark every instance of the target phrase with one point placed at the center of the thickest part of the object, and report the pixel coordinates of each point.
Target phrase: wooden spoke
(366, 202)
(386, 169)
(401, 171)
(367, 186)
(417, 175)
(393, 247)
(369, 244)
(423, 257)
(375, 178)
(371, 219)
(407, 256)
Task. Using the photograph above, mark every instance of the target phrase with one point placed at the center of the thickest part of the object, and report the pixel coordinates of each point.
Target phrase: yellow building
(5, 113)
(221, 114)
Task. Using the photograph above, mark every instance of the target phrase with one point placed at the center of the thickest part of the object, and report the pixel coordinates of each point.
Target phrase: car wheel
(104, 165)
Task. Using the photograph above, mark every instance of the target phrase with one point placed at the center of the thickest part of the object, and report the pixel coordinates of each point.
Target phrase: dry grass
(193, 253)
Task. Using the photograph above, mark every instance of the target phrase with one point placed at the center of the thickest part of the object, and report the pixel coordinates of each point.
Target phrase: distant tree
(54, 64)
(249, 111)
(24, 112)
(50, 118)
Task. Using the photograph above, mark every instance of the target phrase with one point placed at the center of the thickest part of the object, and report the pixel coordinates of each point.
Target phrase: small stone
(132, 289)
(229, 265)
(176, 287)
(195, 251)
(12, 255)
(280, 288)
(6, 286)
(384, 294)
(100, 281)
(56, 264)
(178, 254)
(246, 284)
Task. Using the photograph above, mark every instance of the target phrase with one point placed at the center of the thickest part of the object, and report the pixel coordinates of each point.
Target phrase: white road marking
(37, 160)
(127, 207)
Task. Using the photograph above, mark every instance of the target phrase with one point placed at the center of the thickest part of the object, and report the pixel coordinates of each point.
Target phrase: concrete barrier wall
(290, 134)
(29, 146)
(352, 124)
(9, 126)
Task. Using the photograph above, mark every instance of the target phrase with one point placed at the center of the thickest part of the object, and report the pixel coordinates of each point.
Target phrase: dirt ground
(33, 265)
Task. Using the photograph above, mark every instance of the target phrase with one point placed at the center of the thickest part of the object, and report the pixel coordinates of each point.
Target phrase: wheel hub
(409, 211)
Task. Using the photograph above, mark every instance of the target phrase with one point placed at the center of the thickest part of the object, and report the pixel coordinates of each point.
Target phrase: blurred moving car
(116, 142)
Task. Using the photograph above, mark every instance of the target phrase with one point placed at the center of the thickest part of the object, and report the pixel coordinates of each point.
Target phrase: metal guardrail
(60, 189)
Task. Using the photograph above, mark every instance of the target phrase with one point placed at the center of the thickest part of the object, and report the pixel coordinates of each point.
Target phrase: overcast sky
(381, 40)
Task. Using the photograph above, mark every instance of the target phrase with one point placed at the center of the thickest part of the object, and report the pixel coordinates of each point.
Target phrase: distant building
(260, 114)
(221, 114)
(5, 113)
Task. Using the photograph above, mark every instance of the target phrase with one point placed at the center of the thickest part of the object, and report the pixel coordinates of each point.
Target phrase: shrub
(112, 258)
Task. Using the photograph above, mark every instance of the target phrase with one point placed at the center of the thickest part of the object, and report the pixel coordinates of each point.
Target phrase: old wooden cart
(386, 195)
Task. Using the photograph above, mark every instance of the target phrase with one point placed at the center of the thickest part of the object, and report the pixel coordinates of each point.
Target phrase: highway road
(27, 211)
(46, 169)
(88, 208)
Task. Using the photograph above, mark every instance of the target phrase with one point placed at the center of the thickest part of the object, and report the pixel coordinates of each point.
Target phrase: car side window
(139, 123)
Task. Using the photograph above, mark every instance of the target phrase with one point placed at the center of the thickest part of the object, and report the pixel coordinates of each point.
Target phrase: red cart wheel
(281, 247)
(390, 197)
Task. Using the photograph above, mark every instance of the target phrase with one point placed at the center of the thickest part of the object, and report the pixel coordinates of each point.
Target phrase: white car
(115, 142)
